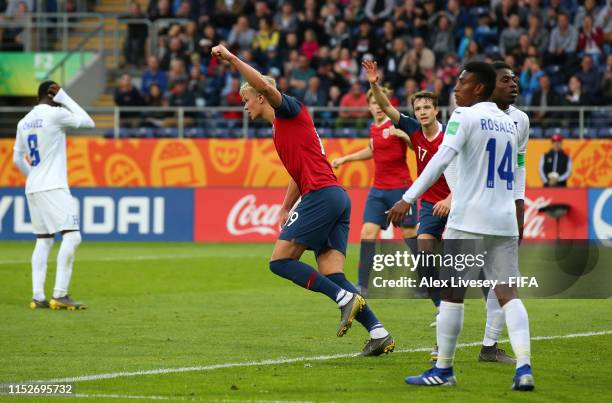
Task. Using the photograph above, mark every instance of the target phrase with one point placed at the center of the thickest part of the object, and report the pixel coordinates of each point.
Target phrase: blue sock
(366, 317)
(305, 276)
(366, 259)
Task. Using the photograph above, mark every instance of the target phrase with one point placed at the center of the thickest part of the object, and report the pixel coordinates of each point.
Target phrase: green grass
(167, 305)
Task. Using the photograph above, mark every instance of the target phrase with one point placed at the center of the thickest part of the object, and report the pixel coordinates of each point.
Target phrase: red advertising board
(539, 226)
(251, 214)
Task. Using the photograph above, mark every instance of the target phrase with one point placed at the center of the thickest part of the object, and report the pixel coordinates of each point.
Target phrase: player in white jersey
(40, 155)
(505, 94)
(483, 139)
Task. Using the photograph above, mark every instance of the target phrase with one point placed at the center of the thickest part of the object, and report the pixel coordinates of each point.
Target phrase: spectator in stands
(175, 51)
(274, 62)
(261, 11)
(588, 8)
(544, 98)
(153, 75)
(241, 36)
(386, 40)
(555, 165)
(461, 17)
(410, 88)
(333, 100)
(589, 77)
(606, 90)
(315, 95)
(464, 43)
(442, 38)
(177, 71)
(184, 10)
(538, 35)
(523, 50)
(575, 96)
(563, 41)
(12, 38)
(127, 95)
(330, 15)
(233, 99)
(196, 83)
(502, 13)
(535, 10)
(530, 79)
(15, 8)
(160, 10)
(154, 97)
(486, 33)
(226, 12)
(340, 36)
(346, 65)
(418, 60)
(286, 19)
(354, 12)
(449, 71)
(365, 41)
(266, 36)
(391, 68)
(376, 11)
(310, 46)
(604, 21)
(179, 96)
(472, 53)
(355, 98)
(591, 39)
(309, 18)
(298, 78)
(404, 16)
(509, 38)
(330, 78)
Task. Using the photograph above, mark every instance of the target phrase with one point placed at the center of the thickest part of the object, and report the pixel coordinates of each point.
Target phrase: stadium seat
(605, 133)
(345, 132)
(325, 132)
(536, 132)
(218, 133)
(167, 132)
(195, 132)
(264, 132)
(564, 132)
(109, 134)
(363, 133)
(589, 133)
(142, 133)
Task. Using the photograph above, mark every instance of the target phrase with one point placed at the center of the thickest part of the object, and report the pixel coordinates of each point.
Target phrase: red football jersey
(424, 150)
(390, 167)
(300, 149)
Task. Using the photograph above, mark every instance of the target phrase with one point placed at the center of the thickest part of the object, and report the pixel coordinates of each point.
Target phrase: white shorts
(53, 211)
(501, 259)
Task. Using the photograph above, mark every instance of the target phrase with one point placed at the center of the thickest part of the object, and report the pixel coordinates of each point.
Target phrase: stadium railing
(213, 122)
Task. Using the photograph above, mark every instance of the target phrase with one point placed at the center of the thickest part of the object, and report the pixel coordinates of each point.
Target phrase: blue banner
(112, 214)
(600, 214)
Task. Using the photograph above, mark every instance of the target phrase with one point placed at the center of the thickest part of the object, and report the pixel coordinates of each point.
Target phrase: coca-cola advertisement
(251, 214)
(543, 225)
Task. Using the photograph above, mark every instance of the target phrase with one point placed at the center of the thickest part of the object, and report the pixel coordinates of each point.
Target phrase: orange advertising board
(254, 163)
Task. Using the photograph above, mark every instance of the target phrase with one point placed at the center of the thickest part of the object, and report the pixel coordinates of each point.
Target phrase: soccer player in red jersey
(320, 221)
(391, 180)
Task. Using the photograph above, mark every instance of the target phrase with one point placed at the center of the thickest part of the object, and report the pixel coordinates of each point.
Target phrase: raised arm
(360, 155)
(253, 77)
(371, 69)
(74, 116)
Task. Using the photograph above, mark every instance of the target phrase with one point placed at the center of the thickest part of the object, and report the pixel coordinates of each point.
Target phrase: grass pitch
(212, 323)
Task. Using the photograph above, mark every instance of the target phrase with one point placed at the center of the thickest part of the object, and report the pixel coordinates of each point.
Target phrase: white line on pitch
(182, 398)
(201, 368)
(145, 257)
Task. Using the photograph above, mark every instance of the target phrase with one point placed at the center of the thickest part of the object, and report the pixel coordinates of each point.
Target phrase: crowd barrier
(249, 214)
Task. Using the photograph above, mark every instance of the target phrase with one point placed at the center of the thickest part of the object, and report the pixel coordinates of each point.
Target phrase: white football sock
(343, 297)
(495, 320)
(378, 333)
(518, 331)
(65, 257)
(448, 326)
(39, 267)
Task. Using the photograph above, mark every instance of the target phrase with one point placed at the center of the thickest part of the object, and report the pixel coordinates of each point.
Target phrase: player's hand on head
(398, 212)
(371, 69)
(53, 90)
(221, 52)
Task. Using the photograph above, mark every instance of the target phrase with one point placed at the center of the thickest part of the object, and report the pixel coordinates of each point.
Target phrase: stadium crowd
(560, 49)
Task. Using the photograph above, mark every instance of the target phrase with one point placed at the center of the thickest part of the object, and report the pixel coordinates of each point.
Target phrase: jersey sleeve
(457, 130)
(289, 107)
(408, 124)
(19, 146)
(523, 139)
(65, 118)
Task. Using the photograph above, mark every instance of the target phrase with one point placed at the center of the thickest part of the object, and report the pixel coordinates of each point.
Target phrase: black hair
(43, 88)
(485, 74)
(500, 65)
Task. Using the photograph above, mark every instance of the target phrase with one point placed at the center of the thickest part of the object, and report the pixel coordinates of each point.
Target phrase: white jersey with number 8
(485, 139)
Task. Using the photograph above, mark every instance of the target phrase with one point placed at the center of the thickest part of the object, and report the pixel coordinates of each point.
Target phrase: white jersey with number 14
(485, 139)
